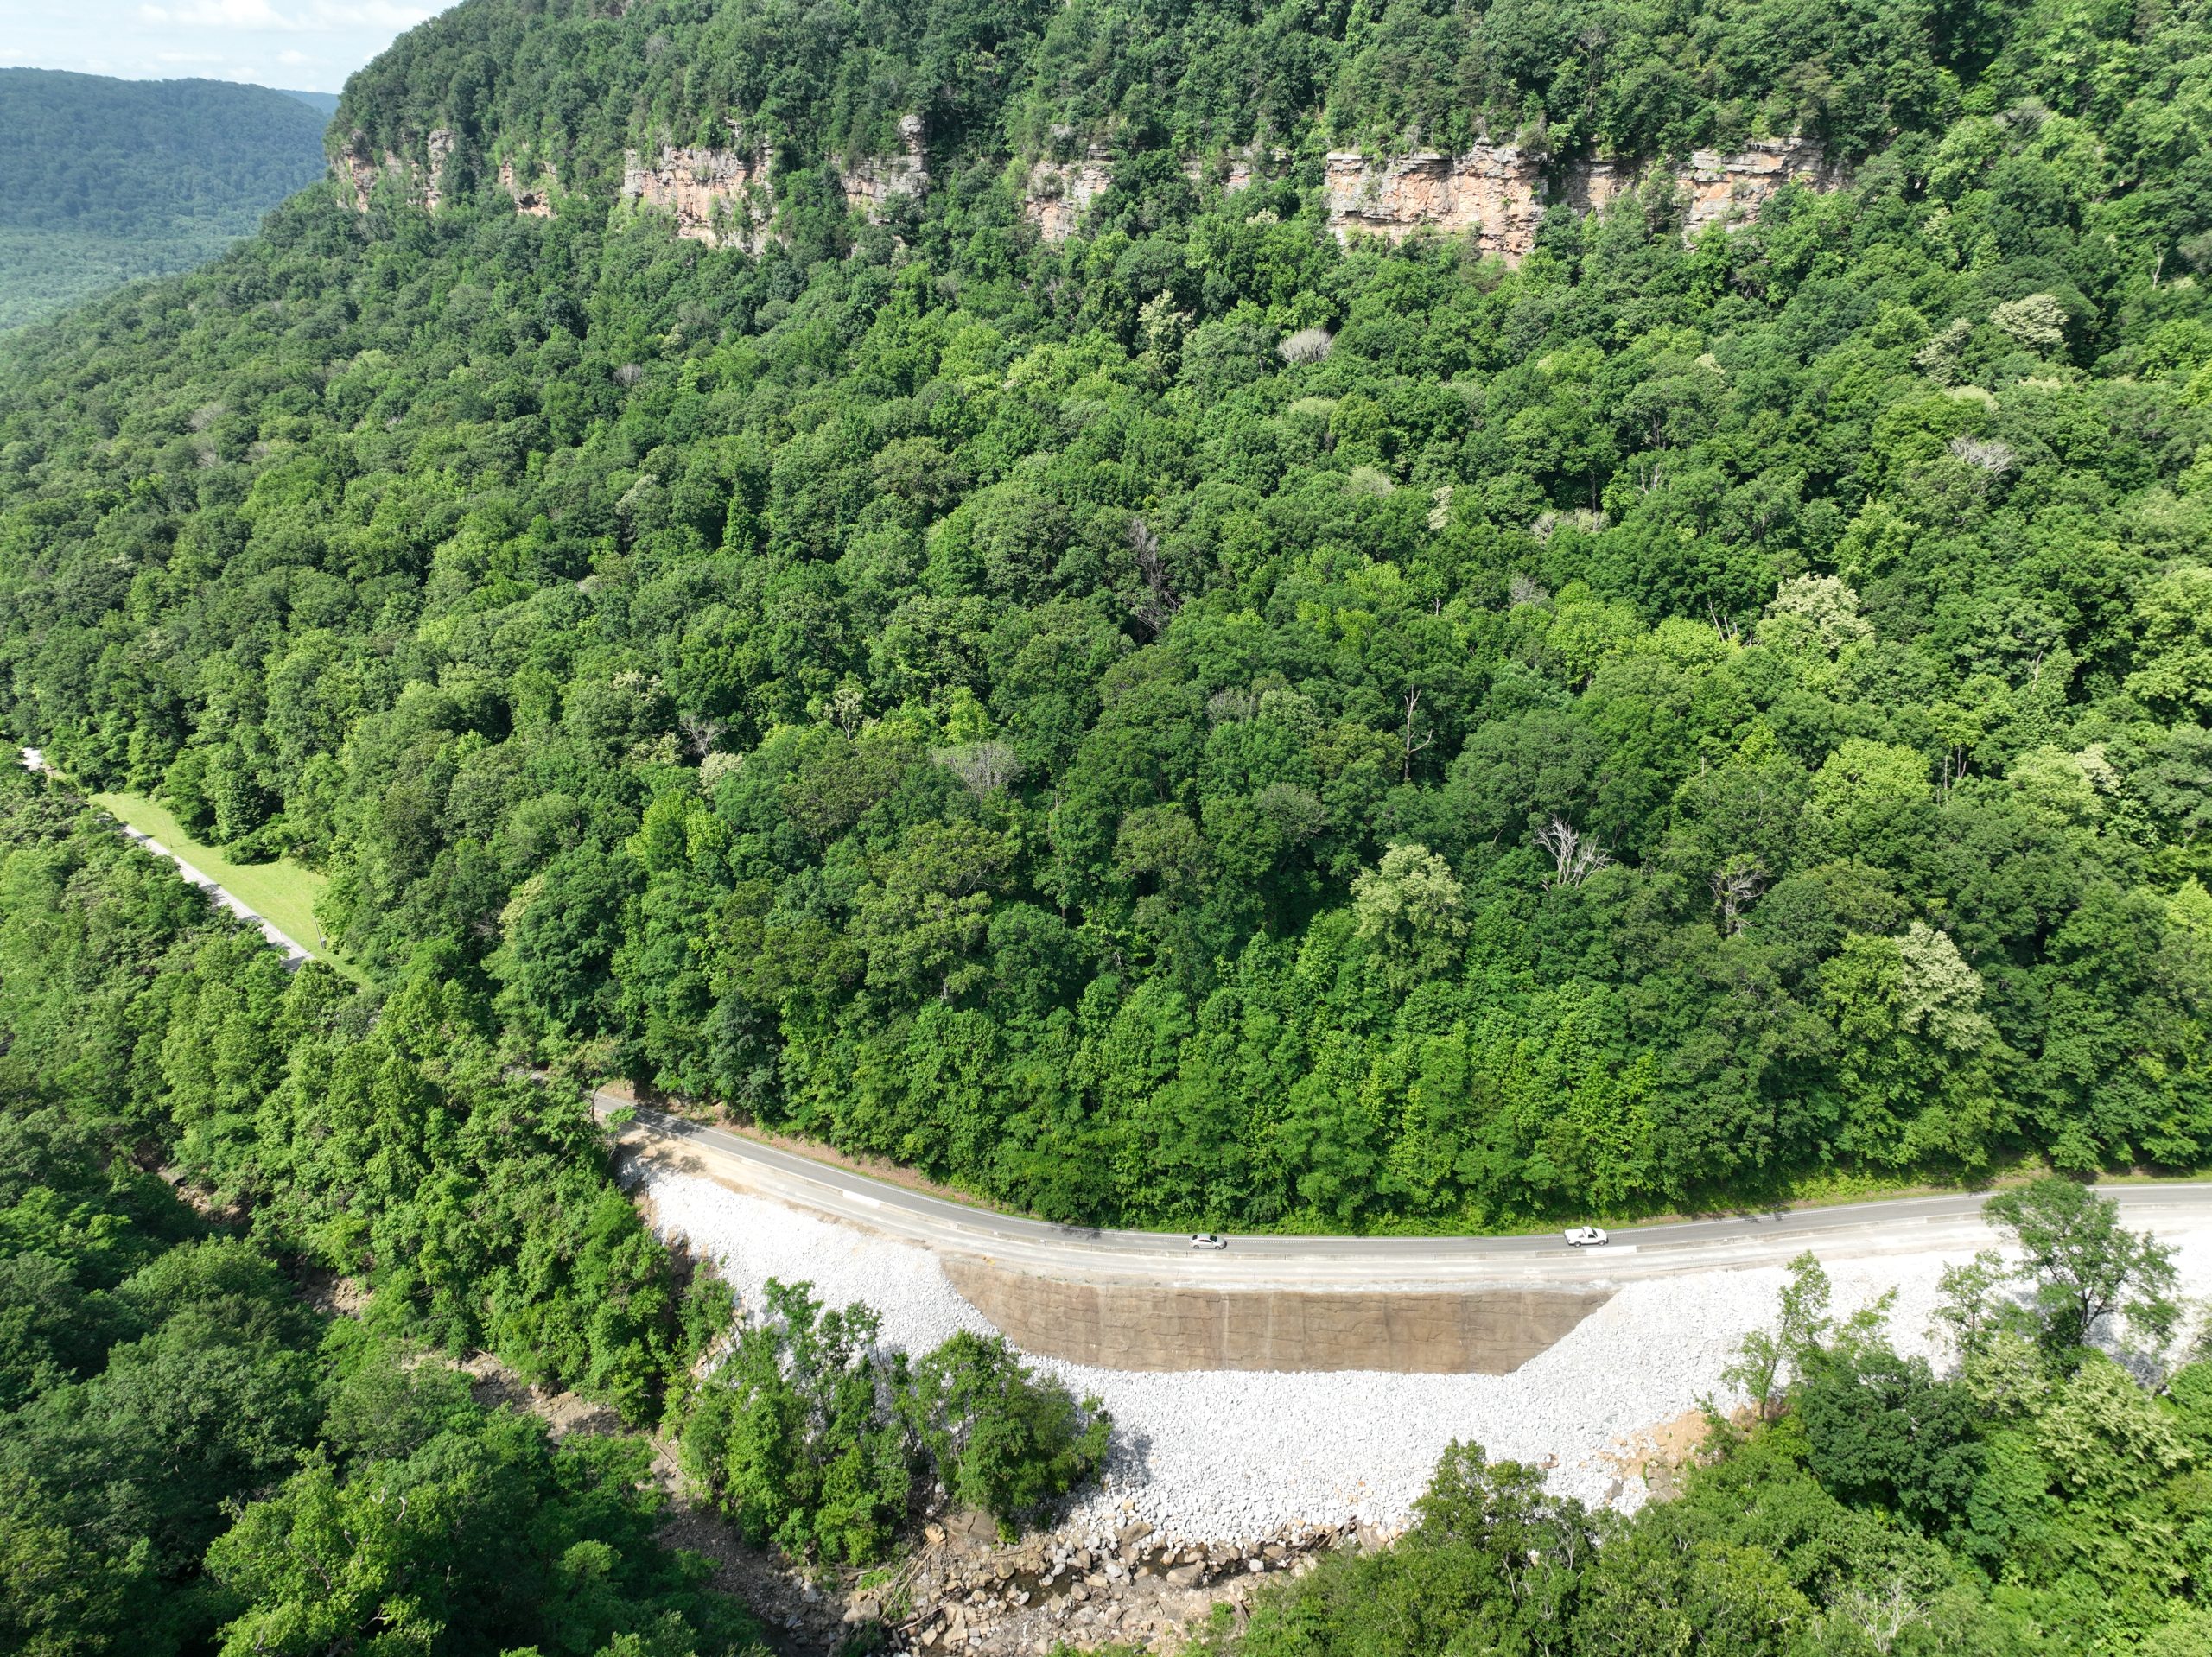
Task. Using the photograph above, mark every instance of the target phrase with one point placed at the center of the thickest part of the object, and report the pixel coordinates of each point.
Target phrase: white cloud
(220, 14)
(375, 14)
(321, 14)
(277, 42)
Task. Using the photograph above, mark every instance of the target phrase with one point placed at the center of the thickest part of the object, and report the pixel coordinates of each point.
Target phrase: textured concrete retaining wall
(1145, 1326)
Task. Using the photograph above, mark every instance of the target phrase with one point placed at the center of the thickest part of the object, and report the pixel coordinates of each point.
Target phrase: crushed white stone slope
(1232, 1454)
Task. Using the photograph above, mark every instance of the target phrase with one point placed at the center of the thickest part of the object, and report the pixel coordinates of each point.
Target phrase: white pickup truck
(1586, 1237)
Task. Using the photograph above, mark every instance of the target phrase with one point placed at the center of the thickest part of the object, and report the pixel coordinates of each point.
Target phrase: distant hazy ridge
(103, 182)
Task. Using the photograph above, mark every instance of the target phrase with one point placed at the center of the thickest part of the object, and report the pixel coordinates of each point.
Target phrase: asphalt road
(293, 950)
(1913, 1224)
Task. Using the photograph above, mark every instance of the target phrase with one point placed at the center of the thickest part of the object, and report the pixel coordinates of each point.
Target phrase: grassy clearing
(283, 892)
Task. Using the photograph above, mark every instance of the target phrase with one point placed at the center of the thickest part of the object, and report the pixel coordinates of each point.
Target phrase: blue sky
(312, 45)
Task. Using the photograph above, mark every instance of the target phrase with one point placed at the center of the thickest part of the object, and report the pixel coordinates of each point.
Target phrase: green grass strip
(283, 891)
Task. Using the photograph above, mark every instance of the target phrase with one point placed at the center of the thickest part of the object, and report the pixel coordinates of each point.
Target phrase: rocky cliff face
(1728, 188)
(720, 197)
(1498, 193)
(440, 143)
(533, 199)
(361, 169)
(872, 183)
(1493, 190)
(1060, 193)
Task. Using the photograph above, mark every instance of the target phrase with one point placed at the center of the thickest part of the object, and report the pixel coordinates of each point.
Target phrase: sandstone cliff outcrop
(363, 169)
(1494, 190)
(720, 197)
(533, 199)
(1060, 193)
(1499, 193)
(873, 182)
(1728, 188)
(440, 143)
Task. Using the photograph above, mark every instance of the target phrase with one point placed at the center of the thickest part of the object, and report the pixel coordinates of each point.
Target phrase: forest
(106, 181)
(186, 1443)
(202, 1451)
(1198, 724)
(198, 1452)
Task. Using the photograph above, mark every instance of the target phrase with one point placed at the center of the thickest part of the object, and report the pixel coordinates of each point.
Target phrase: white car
(1207, 1240)
(1586, 1237)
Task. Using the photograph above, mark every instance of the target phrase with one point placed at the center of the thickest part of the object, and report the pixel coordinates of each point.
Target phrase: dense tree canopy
(814, 1435)
(191, 1458)
(1197, 723)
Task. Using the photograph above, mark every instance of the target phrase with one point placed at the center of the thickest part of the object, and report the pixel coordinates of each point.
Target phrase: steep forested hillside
(103, 182)
(1198, 722)
(190, 1457)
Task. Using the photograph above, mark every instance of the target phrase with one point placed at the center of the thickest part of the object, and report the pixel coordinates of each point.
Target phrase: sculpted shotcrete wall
(1484, 1331)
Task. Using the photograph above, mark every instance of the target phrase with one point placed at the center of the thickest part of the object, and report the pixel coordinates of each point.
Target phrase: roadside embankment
(1240, 1454)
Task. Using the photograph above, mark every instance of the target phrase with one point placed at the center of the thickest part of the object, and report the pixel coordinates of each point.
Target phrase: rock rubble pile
(1208, 1456)
(1079, 1585)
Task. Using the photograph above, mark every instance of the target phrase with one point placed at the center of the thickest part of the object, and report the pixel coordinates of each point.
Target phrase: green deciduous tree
(1001, 1439)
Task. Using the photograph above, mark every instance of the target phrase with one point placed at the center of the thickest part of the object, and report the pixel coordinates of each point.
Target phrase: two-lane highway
(1913, 1224)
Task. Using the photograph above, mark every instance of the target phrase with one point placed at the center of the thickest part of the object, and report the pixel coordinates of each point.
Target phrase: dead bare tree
(1237, 703)
(700, 733)
(842, 707)
(1575, 856)
(1958, 759)
(983, 768)
(1407, 748)
(1881, 1615)
(1154, 610)
(1736, 886)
